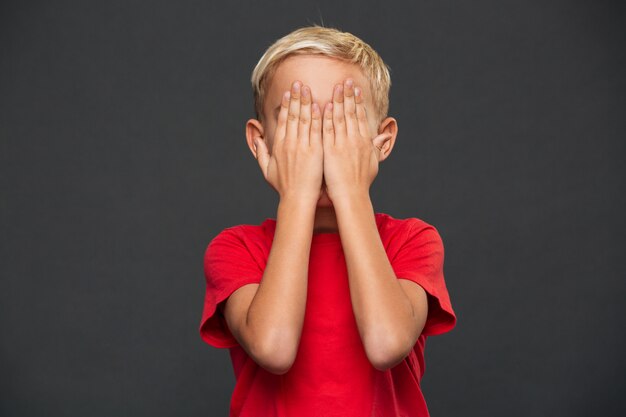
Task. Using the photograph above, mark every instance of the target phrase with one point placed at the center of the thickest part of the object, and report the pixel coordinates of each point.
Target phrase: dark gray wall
(122, 154)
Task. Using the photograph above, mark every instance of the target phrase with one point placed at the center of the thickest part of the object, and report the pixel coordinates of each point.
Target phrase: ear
(386, 138)
(254, 130)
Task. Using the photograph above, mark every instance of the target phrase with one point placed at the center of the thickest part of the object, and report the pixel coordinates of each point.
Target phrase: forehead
(320, 73)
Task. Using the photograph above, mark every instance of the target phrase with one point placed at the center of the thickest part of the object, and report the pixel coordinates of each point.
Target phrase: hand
(295, 167)
(350, 154)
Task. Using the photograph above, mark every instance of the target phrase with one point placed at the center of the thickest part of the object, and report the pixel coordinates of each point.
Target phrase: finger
(361, 115)
(293, 116)
(339, 119)
(281, 127)
(328, 129)
(349, 109)
(305, 115)
(316, 126)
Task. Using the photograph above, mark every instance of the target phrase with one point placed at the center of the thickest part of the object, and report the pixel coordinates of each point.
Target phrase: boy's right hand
(295, 167)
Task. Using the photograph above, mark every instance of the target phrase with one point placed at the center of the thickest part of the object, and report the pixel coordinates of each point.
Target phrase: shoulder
(395, 231)
(243, 238)
(242, 233)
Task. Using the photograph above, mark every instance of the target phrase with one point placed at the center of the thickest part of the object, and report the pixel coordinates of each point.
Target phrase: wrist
(298, 201)
(352, 198)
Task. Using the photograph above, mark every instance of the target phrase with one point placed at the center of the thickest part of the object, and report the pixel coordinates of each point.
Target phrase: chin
(324, 200)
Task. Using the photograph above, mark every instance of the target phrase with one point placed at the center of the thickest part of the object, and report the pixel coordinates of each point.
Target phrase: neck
(325, 220)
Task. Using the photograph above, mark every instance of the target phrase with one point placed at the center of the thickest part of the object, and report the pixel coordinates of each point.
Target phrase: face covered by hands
(351, 154)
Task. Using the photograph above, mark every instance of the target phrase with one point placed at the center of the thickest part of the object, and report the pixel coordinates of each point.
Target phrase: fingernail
(357, 91)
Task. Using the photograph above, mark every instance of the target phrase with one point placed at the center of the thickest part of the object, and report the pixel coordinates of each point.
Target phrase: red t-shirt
(331, 375)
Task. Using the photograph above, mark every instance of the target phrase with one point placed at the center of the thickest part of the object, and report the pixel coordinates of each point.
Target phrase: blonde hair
(330, 42)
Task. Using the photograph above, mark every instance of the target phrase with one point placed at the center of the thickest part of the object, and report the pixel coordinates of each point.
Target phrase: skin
(321, 153)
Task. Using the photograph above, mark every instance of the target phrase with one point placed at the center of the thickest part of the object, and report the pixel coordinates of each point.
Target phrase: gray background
(122, 154)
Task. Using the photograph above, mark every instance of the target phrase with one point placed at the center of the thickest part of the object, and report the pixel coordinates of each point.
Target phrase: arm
(390, 312)
(267, 318)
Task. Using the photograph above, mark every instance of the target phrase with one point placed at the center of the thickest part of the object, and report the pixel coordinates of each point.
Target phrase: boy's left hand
(351, 155)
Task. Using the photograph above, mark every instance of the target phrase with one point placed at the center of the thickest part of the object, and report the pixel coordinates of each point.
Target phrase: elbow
(276, 367)
(276, 358)
(385, 353)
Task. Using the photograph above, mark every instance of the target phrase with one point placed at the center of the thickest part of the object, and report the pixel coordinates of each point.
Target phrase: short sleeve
(420, 259)
(228, 264)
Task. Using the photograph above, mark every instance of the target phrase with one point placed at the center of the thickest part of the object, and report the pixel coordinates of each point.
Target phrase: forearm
(382, 310)
(276, 314)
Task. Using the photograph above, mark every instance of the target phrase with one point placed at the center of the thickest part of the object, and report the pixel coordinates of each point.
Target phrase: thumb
(380, 140)
(262, 154)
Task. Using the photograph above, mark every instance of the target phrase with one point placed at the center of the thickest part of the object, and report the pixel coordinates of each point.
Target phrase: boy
(326, 308)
